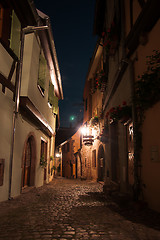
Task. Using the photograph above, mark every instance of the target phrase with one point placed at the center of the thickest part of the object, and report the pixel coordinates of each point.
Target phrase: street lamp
(87, 135)
(58, 155)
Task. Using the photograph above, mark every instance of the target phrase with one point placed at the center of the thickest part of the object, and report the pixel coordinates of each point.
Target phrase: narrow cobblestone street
(73, 209)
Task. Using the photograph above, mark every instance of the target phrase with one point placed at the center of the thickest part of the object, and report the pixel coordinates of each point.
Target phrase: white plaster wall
(6, 112)
(23, 129)
(29, 78)
(5, 61)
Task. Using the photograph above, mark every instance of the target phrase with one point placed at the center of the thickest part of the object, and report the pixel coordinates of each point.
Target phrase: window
(42, 74)
(94, 158)
(5, 25)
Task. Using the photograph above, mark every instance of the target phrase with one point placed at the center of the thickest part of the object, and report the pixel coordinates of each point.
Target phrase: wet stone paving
(74, 209)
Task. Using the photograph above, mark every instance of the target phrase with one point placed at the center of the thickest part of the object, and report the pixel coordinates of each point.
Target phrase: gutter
(55, 61)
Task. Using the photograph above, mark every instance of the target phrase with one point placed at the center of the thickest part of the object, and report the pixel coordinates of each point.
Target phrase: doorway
(101, 163)
(28, 163)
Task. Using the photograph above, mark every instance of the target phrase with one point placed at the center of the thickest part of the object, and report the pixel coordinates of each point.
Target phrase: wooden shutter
(52, 99)
(15, 34)
(42, 72)
(51, 94)
(55, 105)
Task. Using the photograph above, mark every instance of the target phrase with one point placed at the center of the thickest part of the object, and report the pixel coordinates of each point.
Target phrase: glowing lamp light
(94, 132)
(85, 131)
(58, 155)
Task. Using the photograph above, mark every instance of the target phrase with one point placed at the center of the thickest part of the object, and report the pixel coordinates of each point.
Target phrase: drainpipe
(136, 186)
(29, 29)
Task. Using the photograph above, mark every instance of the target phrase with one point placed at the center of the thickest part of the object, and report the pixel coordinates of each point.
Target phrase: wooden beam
(4, 81)
(12, 70)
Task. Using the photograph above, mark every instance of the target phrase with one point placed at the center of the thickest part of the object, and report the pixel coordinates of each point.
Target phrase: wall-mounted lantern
(87, 134)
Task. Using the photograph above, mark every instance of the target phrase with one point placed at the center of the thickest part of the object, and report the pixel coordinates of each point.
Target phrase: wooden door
(27, 165)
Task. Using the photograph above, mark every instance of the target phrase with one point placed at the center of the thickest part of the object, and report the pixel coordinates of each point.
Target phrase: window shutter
(55, 105)
(15, 34)
(53, 100)
(42, 72)
(51, 94)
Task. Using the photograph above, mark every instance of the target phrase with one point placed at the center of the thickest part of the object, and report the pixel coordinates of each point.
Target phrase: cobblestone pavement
(73, 209)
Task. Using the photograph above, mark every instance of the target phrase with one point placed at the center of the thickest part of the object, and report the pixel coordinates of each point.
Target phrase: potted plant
(53, 169)
(43, 161)
(110, 39)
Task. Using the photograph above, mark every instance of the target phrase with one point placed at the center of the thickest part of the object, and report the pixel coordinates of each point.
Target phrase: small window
(94, 158)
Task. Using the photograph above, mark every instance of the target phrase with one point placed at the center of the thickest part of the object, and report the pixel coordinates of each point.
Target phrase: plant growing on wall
(101, 80)
(147, 88)
(110, 39)
(147, 93)
(120, 113)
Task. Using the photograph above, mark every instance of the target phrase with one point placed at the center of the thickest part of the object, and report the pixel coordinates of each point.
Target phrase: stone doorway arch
(101, 163)
(28, 162)
(78, 165)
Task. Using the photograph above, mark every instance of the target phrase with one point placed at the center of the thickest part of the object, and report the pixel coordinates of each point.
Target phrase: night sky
(72, 26)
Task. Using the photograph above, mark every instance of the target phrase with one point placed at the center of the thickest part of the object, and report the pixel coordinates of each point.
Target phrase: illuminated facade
(92, 150)
(129, 31)
(30, 88)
